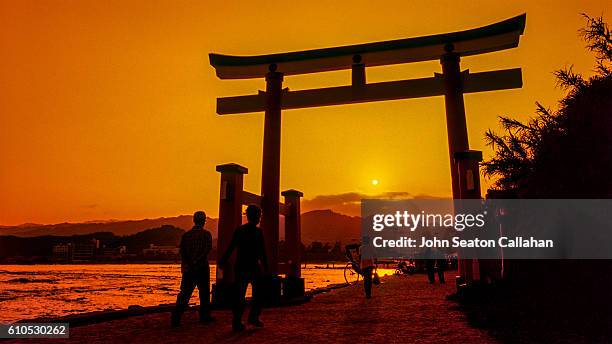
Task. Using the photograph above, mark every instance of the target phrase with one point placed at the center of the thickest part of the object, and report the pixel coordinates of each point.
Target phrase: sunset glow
(108, 115)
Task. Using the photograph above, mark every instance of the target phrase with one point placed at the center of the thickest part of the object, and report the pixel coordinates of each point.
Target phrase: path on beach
(403, 309)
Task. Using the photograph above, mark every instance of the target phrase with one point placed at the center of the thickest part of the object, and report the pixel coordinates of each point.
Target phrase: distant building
(85, 250)
(62, 253)
(160, 251)
(112, 252)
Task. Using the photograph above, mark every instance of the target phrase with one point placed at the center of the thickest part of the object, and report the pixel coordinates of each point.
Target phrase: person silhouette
(248, 240)
(194, 248)
(433, 260)
(363, 266)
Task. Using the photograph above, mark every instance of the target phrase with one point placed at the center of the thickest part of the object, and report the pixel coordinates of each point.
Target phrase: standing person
(442, 265)
(194, 247)
(248, 240)
(433, 260)
(430, 264)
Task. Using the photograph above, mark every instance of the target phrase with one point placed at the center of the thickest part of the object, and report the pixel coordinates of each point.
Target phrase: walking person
(364, 267)
(367, 267)
(251, 265)
(194, 248)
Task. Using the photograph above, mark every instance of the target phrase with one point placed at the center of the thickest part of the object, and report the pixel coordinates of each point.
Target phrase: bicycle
(352, 271)
(405, 268)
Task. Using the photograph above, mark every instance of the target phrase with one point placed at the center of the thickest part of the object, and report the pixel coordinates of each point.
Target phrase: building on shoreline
(62, 253)
(160, 251)
(108, 253)
(85, 250)
(79, 251)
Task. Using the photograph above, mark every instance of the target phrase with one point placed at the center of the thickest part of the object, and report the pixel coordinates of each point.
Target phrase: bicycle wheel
(350, 275)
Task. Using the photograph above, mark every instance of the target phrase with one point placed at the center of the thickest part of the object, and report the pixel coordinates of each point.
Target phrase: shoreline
(152, 262)
(95, 317)
(70, 300)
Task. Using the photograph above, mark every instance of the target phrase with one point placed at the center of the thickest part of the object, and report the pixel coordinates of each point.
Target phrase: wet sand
(403, 309)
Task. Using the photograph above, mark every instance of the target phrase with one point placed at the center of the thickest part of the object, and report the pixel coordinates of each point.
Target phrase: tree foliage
(567, 152)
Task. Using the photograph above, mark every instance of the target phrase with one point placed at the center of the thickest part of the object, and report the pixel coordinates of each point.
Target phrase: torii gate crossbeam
(381, 91)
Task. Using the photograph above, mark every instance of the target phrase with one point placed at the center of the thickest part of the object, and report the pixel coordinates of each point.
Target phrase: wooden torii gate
(452, 83)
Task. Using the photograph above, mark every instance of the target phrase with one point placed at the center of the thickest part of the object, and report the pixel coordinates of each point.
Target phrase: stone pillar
(230, 217)
(270, 173)
(455, 111)
(293, 232)
(467, 169)
(293, 285)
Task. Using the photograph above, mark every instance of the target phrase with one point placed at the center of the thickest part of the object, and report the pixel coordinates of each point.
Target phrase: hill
(42, 246)
(329, 226)
(317, 225)
(119, 228)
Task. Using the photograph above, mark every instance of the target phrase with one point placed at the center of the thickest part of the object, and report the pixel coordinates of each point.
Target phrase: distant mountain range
(329, 226)
(317, 225)
(119, 228)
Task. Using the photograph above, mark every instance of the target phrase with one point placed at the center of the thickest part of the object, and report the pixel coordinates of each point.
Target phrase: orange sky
(108, 107)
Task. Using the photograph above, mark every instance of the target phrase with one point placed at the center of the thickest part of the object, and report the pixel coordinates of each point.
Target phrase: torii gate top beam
(494, 37)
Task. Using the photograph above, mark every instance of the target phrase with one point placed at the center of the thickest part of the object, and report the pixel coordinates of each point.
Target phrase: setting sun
(375, 182)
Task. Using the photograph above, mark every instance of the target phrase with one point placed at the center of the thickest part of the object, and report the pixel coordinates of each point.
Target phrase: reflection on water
(30, 291)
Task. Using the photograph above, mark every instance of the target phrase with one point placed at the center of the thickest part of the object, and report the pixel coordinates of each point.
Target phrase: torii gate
(451, 84)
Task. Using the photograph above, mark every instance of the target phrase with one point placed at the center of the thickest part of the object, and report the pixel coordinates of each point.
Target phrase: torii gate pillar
(270, 172)
(456, 126)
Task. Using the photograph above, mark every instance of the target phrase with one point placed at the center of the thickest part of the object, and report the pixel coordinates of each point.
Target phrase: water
(31, 291)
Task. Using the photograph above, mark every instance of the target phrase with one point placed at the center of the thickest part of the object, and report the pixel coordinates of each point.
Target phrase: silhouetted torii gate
(451, 84)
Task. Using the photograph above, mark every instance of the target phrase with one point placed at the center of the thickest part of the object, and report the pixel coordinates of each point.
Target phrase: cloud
(349, 203)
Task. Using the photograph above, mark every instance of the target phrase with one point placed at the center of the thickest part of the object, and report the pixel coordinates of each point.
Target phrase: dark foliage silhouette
(559, 154)
(565, 153)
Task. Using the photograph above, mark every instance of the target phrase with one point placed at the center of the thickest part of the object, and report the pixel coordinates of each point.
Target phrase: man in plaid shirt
(195, 246)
